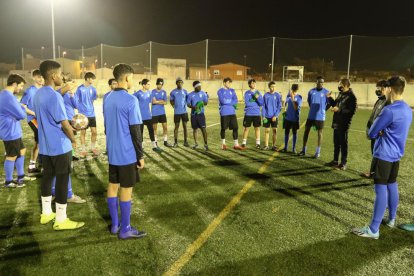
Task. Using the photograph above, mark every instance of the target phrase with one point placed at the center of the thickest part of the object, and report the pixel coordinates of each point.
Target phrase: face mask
(378, 92)
(340, 89)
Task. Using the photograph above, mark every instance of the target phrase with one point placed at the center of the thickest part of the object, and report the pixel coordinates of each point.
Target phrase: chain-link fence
(363, 59)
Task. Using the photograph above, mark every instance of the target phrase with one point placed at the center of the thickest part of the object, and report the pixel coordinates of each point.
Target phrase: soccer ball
(79, 121)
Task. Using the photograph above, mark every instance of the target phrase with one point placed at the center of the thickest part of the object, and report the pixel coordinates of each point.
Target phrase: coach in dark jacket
(382, 85)
(344, 107)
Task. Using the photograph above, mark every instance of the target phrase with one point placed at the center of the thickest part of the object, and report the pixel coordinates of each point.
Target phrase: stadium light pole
(349, 56)
(42, 49)
(53, 29)
(63, 61)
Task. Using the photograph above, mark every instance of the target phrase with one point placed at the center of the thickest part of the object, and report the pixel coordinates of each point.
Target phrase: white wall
(364, 92)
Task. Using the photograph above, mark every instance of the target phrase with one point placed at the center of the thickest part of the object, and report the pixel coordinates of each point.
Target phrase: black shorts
(33, 126)
(126, 175)
(248, 120)
(159, 119)
(270, 123)
(229, 121)
(384, 172)
(147, 122)
(92, 121)
(59, 164)
(198, 121)
(318, 124)
(178, 117)
(291, 125)
(13, 147)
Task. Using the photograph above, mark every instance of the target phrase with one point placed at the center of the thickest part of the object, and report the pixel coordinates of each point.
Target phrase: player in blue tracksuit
(390, 129)
(27, 102)
(272, 105)
(178, 99)
(144, 97)
(196, 100)
(293, 105)
(122, 120)
(11, 113)
(159, 100)
(318, 104)
(253, 100)
(85, 96)
(228, 104)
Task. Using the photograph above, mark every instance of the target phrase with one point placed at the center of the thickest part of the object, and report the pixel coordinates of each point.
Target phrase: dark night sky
(26, 23)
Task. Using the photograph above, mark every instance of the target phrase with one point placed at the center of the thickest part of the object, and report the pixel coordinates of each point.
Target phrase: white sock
(92, 146)
(46, 205)
(236, 142)
(223, 141)
(156, 138)
(154, 144)
(165, 138)
(60, 212)
(257, 141)
(244, 141)
(32, 164)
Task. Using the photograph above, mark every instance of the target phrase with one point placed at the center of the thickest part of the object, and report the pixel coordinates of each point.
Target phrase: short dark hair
(397, 83)
(159, 81)
(345, 82)
(383, 83)
(295, 87)
(36, 73)
(251, 81)
(111, 81)
(145, 81)
(15, 78)
(47, 66)
(227, 79)
(121, 70)
(90, 75)
(320, 79)
(270, 83)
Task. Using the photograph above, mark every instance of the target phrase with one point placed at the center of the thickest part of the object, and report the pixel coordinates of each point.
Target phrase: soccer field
(217, 212)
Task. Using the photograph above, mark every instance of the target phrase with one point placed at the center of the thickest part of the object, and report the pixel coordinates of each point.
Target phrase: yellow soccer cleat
(67, 224)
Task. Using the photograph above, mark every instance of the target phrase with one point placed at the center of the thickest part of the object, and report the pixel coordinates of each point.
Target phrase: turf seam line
(176, 267)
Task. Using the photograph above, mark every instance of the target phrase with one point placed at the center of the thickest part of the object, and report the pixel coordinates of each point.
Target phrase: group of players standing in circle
(50, 107)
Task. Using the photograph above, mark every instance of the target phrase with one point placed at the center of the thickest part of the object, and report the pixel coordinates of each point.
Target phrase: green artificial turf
(294, 220)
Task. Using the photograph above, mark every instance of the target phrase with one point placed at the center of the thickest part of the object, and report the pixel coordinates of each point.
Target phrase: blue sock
(20, 167)
(70, 192)
(125, 215)
(294, 138)
(393, 198)
(304, 148)
(53, 186)
(318, 150)
(113, 209)
(380, 205)
(9, 168)
(286, 140)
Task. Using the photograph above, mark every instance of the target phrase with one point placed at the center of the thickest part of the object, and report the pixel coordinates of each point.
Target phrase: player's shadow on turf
(299, 194)
(97, 192)
(345, 255)
(14, 268)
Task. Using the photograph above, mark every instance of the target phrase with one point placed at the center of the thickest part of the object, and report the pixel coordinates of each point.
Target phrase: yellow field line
(193, 248)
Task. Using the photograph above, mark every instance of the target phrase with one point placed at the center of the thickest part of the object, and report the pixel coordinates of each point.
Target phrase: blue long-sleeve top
(393, 123)
(253, 101)
(227, 99)
(11, 112)
(272, 105)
